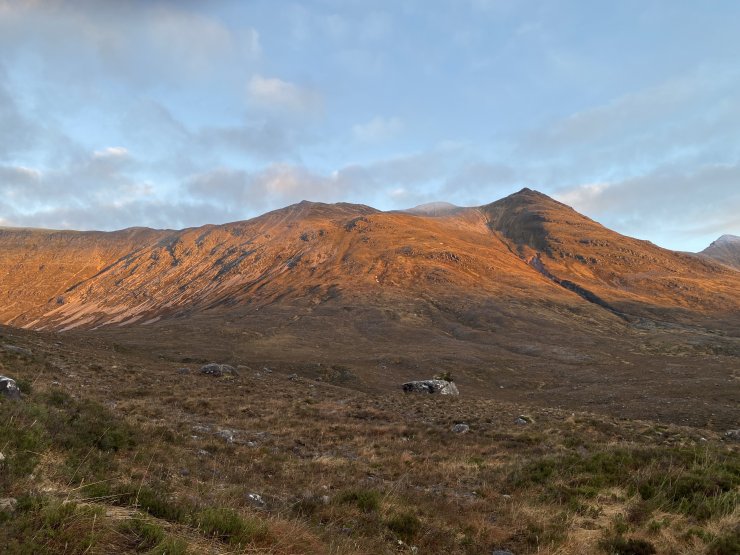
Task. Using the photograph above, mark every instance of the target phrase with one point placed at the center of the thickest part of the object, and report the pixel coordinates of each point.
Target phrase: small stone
(733, 435)
(227, 435)
(217, 370)
(183, 371)
(9, 389)
(256, 499)
(501, 552)
(293, 377)
(461, 428)
(8, 504)
(2, 457)
(325, 499)
(523, 420)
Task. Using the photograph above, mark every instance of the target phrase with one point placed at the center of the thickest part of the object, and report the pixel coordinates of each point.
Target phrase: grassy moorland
(117, 455)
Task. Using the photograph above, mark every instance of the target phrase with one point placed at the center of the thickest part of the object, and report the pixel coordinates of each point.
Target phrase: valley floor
(112, 452)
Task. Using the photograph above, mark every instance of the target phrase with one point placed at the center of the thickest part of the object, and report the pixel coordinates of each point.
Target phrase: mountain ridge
(138, 274)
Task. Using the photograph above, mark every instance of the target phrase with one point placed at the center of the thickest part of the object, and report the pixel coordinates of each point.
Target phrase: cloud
(276, 94)
(17, 133)
(118, 215)
(690, 119)
(378, 129)
(111, 152)
(144, 43)
(665, 203)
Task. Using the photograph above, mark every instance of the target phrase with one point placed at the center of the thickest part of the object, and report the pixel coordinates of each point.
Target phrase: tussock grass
(344, 473)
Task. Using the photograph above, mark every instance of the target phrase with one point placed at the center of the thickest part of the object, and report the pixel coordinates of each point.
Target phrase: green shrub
(25, 386)
(405, 525)
(230, 526)
(367, 500)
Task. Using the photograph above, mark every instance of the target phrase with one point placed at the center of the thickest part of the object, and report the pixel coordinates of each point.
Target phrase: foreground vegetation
(170, 463)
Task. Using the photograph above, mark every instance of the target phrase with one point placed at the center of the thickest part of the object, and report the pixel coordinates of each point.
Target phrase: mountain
(527, 247)
(434, 209)
(726, 250)
(523, 298)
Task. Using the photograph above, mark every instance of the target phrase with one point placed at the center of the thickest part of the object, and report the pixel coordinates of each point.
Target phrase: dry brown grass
(343, 472)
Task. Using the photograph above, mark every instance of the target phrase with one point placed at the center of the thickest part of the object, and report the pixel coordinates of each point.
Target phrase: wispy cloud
(378, 129)
(276, 94)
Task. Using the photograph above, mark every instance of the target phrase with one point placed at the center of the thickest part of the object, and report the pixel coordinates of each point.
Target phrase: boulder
(523, 420)
(461, 428)
(8, 389)
(217, 370)
(443, 387)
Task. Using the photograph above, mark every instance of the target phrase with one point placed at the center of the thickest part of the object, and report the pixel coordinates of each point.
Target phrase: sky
(173, 114)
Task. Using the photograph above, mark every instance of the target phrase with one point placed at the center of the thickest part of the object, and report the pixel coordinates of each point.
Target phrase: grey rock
(501, 552)
(293, 377)
(733, 435)
(442, 387)
(256, 499)
(461, 428)
(523, 420)
(228, 435)
(2, 458)
(8, 388)
(8, 504)
(217, 370)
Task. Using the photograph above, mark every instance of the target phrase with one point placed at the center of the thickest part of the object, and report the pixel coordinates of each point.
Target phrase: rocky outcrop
(8, 388)
(217, 370)
(442, 387)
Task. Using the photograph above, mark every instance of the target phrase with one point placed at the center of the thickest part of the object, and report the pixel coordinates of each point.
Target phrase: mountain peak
(725, 249)
(433, 209)
(727, 239)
